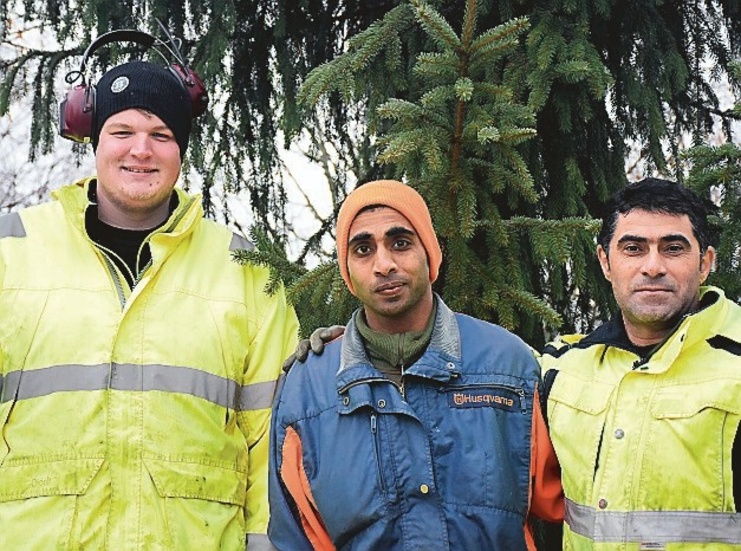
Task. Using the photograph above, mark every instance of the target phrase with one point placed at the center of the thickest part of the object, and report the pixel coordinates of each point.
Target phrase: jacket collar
(74, 201)
(441, 360)
(696, 326)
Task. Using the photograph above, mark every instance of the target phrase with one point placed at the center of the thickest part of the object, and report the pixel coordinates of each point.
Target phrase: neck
(414, 319)
(644, 336)
(111, 214)
(646, 333)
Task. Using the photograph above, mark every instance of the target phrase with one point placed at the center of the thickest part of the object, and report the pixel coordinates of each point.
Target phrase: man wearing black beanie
(138, 361)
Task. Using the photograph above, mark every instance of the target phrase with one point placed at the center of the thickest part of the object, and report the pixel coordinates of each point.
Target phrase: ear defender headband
(77, 109)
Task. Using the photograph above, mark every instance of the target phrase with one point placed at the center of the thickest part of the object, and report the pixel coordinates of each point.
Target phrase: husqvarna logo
(499, 398)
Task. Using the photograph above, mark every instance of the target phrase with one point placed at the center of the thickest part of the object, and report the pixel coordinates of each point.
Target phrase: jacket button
(381, 403)
(619, 433)
(602, 503)
(424, 488)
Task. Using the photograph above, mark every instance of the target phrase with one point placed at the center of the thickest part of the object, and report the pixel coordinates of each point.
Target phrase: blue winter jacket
(445, 466)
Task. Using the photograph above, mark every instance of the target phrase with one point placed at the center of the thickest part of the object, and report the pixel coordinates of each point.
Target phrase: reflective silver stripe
(11, 225)
(653, 526)
(239, 242)
(259, 542)
(180, 380)
(23, 385)
(256, 396)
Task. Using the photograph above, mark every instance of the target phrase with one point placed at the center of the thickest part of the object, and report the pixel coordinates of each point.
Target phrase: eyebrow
(398, 230)
(365, 236)
(664, 238)
(127, 126)
(394, 231)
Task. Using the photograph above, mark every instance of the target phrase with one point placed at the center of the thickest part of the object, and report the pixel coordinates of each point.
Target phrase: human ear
(604, 261)
(707, 260)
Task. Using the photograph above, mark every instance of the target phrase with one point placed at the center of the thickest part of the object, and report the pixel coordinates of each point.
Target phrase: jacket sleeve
(295, 523)
(272, 338)
(547, 500)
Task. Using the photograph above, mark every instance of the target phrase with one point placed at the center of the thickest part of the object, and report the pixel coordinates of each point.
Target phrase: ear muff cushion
(76, 113)
(195, 88)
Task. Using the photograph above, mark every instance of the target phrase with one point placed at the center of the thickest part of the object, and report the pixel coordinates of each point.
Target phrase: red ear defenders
(77, 109)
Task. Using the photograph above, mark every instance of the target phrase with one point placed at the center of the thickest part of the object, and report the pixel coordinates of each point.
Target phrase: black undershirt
(123, 243)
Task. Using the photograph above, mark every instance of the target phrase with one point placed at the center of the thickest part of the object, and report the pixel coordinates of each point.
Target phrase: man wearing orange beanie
(420, 428)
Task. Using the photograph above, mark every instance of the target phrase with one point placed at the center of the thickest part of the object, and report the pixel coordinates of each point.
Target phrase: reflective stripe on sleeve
(256, 396)
(238, 242)
(653, 526)
(24, 385)
(259, 542)
(11, 225)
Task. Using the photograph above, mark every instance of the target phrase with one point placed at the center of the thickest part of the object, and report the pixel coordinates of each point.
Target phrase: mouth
(389, 288)
(653, 290)
(138, 170)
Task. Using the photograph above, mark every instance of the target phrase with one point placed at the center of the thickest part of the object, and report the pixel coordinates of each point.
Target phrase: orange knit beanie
(400, 197)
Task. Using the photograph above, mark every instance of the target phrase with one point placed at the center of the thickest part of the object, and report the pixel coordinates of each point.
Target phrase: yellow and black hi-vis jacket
(650, 447)
(134, 418)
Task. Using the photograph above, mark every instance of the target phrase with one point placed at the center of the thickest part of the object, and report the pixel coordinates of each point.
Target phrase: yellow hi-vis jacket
(645, 445)
(134, 420)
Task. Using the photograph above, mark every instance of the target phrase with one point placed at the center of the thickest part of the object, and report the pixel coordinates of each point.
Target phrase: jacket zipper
(376, 449)
(116, 280)
(138, 277)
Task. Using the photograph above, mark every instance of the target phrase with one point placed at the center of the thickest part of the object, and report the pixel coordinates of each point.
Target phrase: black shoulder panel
(548, 379)
(724, 343)
(556, 352)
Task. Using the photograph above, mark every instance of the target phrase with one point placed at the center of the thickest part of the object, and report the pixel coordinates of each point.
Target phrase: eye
(162, 136)
(632, 248)
(361, 250)
(676, 248)
(121, 133)
(401, 243)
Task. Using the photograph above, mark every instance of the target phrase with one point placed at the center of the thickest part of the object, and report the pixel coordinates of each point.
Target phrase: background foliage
(513, 118)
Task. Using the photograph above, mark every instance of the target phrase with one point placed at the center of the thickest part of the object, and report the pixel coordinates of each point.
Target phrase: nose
(653, 264)
(384, 262)
(141, 146)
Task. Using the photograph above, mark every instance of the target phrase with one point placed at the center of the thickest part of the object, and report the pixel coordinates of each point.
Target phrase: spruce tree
(593, 74)
(456, 139)
(715, 174)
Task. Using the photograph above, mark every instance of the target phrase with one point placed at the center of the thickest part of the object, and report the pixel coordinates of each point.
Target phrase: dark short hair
(659, 196)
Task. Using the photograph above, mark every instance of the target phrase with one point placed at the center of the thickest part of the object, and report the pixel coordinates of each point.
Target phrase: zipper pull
(521, 394)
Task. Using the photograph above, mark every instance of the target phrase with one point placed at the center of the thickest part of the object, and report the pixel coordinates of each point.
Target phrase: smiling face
(138, 163)
(656, 267)
(388, 267)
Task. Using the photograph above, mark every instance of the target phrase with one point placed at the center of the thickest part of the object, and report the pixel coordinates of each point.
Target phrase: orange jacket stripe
(294, 477)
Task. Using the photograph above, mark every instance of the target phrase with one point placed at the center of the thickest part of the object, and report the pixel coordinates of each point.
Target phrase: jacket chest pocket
(351, 470)
(200, 507)
(480, 433)
(39, 503)
(690, 440)
(577, 410)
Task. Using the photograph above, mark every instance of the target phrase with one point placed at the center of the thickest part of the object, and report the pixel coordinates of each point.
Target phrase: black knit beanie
(144, 85)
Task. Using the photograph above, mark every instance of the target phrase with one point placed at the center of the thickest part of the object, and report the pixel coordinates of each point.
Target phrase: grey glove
(315, 343)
